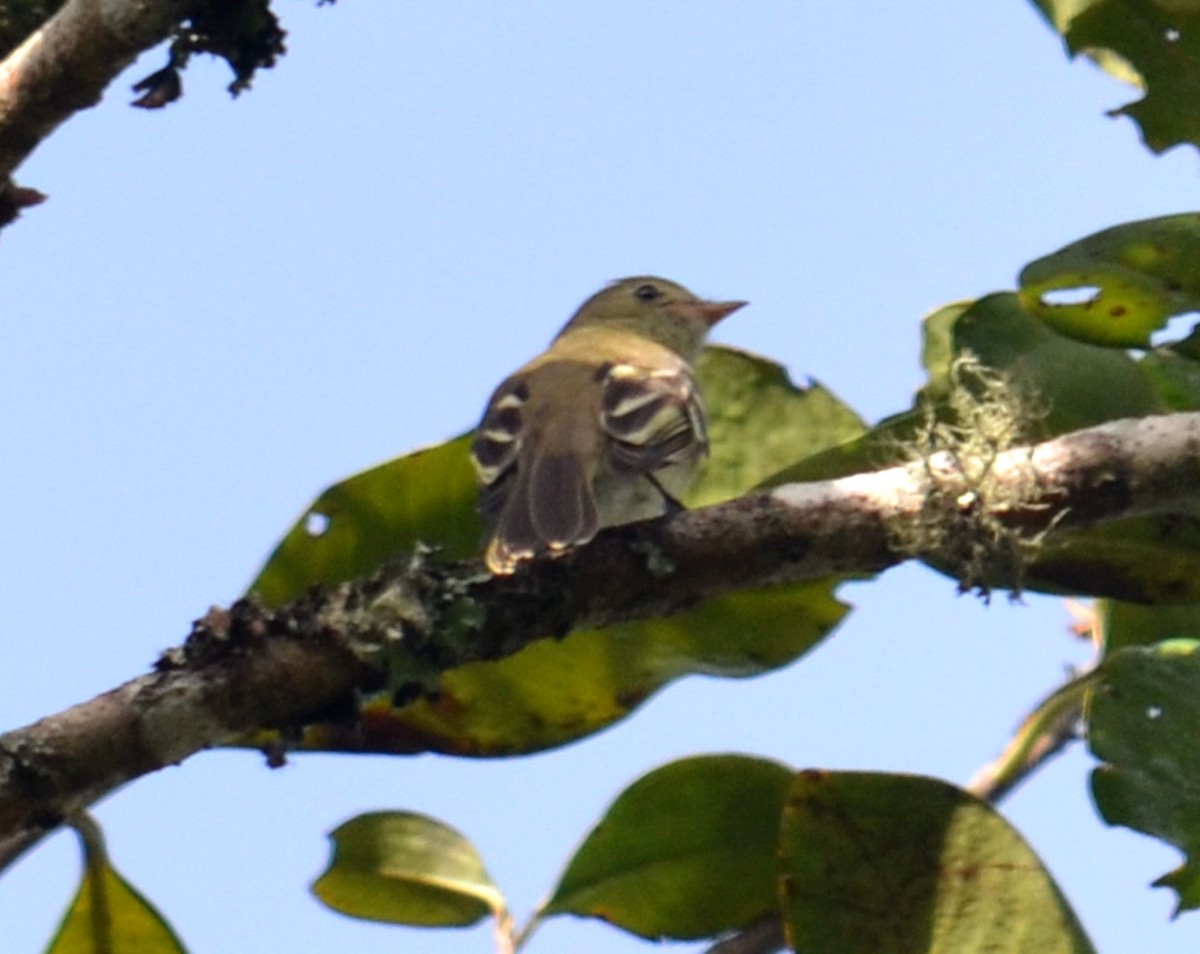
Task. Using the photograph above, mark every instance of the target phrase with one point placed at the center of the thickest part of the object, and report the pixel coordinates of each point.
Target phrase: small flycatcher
(605, 427)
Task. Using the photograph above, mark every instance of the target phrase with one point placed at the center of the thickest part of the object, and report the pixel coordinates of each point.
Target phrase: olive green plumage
(605, 427)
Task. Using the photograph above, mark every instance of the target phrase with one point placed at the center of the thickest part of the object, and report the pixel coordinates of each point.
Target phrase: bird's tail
(549, 507)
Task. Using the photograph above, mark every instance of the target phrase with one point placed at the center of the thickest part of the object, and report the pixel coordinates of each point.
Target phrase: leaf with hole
(1154, 46)
(1143, 724)
(1117, 287)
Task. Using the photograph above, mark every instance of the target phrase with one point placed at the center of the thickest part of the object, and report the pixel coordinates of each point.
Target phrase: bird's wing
(497, 445)
(654, 417)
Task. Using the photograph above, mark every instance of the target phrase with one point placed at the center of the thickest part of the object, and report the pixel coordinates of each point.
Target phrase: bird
(605, 427)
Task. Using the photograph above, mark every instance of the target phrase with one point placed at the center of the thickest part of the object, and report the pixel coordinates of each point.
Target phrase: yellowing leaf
(109, 916)
(1116, 287)
(405, 868)
(555, 691)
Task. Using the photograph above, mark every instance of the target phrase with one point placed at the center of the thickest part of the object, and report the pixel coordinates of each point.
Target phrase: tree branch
(250, 668)
(65, 66)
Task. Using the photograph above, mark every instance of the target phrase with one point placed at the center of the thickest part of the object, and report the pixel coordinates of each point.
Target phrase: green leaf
(404, 868)
(896, 864)
(1175, 373)
(759, 421)
(556, 691)
(357, 525)
(1057, 385)
(937, 347)
(1066, 384)
(1126, 624)
(1152, 45)
(878, 448)
(687, 851)
(1143, 559)
(109, 916)
(553, 692)
(1073, 384)
(1122, 284)
(1143, 724)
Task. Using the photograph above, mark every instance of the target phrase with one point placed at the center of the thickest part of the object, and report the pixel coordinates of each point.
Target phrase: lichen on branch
(961, 528)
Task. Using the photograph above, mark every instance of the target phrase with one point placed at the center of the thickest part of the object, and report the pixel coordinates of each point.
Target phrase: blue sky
(226, 306)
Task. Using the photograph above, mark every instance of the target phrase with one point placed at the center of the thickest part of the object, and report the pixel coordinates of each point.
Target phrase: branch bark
(64, 67)
(250, 668)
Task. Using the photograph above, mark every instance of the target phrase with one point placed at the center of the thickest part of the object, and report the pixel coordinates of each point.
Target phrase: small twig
(519, 938)
(1046, 731)
(95, 860)
(506, 942)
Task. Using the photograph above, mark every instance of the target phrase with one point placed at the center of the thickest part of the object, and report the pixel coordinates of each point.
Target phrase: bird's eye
(646, 293)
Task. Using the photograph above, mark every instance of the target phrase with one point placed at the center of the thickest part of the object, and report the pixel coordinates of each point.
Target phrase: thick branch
(65, 65)
(251, 668)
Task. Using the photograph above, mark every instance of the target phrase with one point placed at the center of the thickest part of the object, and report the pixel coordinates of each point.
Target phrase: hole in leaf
(1078, 295)
(1177, 328)
(316, 524)
(1171, 35)
(1154, 712)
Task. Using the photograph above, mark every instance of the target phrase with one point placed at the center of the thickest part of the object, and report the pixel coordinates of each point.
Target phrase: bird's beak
(713, 311)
